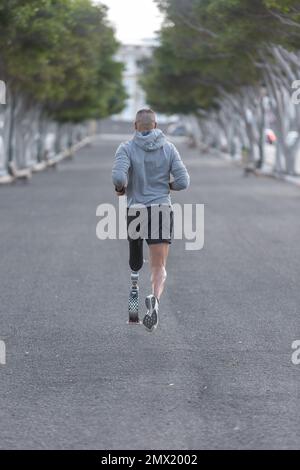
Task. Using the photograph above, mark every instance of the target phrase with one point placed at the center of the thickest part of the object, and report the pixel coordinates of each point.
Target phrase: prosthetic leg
(136, 262)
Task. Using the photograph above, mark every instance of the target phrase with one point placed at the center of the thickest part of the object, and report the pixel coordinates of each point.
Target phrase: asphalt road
(217, 374)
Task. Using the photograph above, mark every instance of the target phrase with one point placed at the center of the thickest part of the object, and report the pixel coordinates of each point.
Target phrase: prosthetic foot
(133, 303)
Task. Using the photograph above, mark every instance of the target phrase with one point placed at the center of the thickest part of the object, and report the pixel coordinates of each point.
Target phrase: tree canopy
(59, 54)
(211, 46)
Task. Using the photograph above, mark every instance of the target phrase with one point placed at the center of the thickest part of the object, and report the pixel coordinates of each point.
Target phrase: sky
(134, 20)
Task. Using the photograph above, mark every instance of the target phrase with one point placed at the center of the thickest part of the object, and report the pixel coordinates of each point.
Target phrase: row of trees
(233, 65)
(57, 61)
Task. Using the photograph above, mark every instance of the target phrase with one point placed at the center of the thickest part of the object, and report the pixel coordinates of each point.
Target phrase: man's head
(145, 120)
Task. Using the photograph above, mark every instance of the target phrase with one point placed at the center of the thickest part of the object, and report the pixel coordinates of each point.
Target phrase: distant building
(130, 55)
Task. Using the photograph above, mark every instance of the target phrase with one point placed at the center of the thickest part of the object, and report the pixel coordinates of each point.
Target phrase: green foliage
(211, 46)
(59, 53)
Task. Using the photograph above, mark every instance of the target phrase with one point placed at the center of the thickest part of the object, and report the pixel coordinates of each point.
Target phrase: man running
(142, 170)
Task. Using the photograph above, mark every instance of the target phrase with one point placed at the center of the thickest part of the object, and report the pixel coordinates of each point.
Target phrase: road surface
(217, 374)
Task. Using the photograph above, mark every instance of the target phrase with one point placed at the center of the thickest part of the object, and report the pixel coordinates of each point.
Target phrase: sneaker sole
(150, 320)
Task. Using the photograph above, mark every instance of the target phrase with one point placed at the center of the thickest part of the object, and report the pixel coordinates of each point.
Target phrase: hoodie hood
(152, 141)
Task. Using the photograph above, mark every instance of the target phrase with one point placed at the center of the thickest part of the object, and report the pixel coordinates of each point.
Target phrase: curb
(295, 180)
(41, 166)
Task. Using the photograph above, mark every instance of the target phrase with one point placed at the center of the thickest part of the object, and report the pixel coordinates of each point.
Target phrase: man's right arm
(178, 171)
(121, 168)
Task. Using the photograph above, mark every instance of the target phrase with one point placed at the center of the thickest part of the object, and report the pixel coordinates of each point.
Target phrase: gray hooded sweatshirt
(144, 165)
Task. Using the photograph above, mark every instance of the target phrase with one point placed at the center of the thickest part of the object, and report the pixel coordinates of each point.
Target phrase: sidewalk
(268, 168)
(37, 167)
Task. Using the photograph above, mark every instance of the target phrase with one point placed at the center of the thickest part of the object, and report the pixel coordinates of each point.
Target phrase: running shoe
(150, 320)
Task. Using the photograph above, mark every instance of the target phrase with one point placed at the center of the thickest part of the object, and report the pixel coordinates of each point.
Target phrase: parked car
(177, 129)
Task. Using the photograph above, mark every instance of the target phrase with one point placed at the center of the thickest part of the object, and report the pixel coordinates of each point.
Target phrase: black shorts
(155, 224)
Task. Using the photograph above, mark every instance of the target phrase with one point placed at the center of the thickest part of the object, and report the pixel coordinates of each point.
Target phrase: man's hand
(120, 191)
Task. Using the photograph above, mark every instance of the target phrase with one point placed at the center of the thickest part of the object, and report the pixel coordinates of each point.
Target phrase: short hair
(146, 116)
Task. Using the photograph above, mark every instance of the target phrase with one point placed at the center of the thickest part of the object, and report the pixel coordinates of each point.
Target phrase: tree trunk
(11, 128)
(261, 141)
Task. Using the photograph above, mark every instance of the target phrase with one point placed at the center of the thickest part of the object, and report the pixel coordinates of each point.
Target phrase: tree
(57, 59)
(214, 62)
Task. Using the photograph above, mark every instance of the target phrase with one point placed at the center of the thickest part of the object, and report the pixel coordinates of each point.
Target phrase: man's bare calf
(158, 260)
